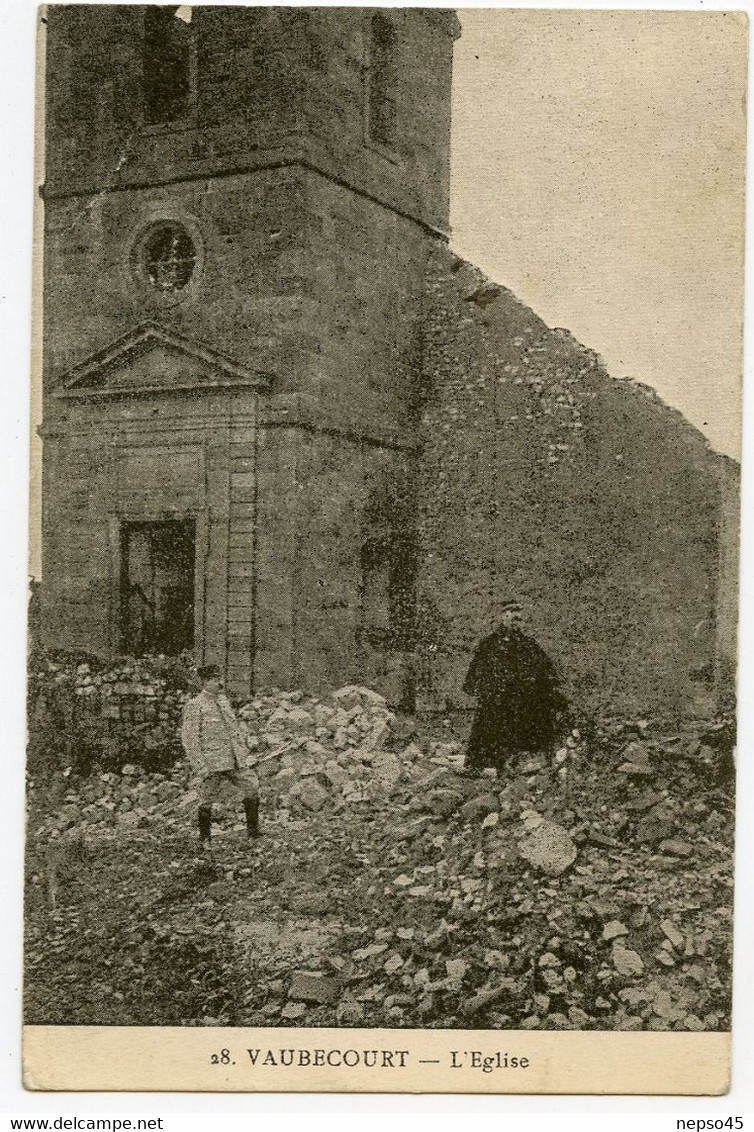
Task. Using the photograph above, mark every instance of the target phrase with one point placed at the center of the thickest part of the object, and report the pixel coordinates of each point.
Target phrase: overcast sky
(598, 171)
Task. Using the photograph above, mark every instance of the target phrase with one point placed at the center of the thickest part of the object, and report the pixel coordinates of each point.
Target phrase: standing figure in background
(215, 749)
(518, 699)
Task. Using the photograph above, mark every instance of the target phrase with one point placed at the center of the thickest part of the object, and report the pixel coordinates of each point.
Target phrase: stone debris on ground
(390, 888)
(347, 749)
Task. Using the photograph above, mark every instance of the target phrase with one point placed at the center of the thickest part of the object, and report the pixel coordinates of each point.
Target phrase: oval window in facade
(167, 257)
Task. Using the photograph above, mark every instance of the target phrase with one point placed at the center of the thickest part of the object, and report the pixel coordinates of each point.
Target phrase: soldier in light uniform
(215, 749)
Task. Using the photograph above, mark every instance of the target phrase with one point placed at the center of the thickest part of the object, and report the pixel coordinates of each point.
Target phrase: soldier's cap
(208, 672)
(511, 607)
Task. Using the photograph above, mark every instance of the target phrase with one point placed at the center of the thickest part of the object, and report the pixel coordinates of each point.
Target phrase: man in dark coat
(518, 700)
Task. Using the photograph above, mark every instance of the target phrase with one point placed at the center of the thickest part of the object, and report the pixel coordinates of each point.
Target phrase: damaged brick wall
(587, 498)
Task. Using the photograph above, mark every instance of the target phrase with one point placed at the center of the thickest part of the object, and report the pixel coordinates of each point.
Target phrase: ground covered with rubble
(590, 889)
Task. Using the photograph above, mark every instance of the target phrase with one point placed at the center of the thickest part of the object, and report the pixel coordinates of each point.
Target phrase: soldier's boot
(205, 826)
(251, 809)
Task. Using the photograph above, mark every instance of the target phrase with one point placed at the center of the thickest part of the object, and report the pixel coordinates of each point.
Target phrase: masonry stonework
(583, 496)
(366, 445)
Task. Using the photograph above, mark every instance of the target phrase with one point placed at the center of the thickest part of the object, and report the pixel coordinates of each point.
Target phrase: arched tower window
(167, 65)
(382, 80)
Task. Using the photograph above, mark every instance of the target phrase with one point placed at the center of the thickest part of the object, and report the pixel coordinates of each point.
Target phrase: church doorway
(157, 587)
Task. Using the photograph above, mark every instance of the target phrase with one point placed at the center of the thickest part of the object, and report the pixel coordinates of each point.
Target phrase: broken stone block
(310, 986)
(443, 802)
(358, 755)
(335, 774)
(639, 770)
(479, 807)
(601, 840)
(317, 751)
(350, 1013)
(412, 829)
(313, 794)
(353, 695)
(671, 933)
(285, 777)
(309, 903)
(644, 801)
(653, 829)
(532, 765)
(411, 753)
(549, 848)
(293, 1010)
(376, 735)
(637, 753)
(298, 720)
(340, 739)
(625, 961)
(677, 848)
(322, 714)
(387, 768)
(613, 929)
(449, 750)
(277, 721)
(456, 972)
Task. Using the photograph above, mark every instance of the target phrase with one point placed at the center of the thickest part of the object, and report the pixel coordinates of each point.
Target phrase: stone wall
(311, 250)
(83, 714)
(244, 299)
(117, 460)
(320, 274)
(319, 494)
(583, 496)
(272, 86)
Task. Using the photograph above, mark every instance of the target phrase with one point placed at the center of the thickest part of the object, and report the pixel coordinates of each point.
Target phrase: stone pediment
(152, 360)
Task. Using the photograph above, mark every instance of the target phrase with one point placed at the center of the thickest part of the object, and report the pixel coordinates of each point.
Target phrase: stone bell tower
(239, 207)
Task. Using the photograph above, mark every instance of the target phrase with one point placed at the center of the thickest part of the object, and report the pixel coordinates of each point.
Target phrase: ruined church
(287, 430)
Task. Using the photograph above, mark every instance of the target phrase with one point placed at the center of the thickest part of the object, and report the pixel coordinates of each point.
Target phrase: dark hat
(511, 607)
(208, 672)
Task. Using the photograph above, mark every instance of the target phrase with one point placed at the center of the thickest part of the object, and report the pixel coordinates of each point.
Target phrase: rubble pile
(346, 749)
(309, 753)
(587, 889)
